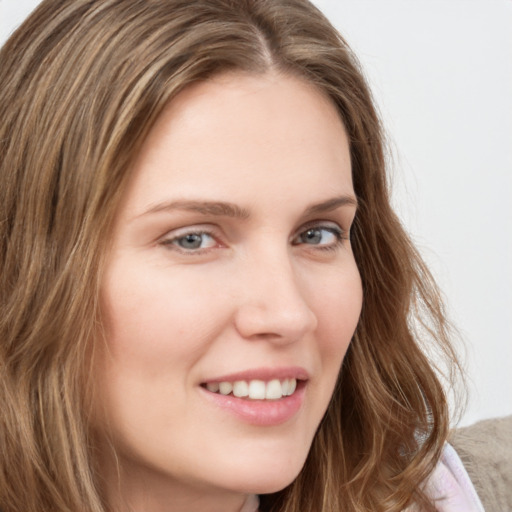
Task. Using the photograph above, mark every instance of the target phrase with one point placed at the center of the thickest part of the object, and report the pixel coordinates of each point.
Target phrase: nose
(273, 306)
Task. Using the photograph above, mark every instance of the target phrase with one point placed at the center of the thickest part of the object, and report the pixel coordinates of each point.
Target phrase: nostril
(265, 336)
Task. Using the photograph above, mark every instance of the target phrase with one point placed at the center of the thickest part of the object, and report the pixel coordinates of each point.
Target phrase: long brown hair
(81, 84)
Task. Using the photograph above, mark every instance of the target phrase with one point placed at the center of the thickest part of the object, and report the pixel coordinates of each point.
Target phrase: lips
(262, 397)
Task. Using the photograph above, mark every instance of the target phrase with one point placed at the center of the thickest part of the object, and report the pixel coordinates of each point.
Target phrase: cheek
(338, 307)
(157, 326)
(159, 317)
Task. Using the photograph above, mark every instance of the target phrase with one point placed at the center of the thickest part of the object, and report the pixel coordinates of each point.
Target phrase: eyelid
(333, 228)
(325, 224)
(171, 236)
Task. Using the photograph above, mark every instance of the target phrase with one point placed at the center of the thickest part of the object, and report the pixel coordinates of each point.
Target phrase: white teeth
(225, 388)
(285, 386)
(240, 388)
(274, 390)
(255, 389)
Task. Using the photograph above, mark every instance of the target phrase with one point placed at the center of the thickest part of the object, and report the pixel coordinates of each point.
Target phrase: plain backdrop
(441, 73)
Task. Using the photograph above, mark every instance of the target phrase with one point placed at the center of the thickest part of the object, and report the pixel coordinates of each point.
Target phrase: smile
(256, 389)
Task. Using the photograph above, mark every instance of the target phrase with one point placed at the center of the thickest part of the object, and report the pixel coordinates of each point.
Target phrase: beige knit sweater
(485, 448)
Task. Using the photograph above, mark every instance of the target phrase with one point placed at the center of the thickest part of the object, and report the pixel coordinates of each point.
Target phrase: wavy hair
(81, 84)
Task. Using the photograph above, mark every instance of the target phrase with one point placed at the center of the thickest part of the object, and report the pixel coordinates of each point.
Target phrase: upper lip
(264, 373)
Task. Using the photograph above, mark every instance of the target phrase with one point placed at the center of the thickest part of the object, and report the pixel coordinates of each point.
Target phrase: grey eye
(311, 236)
(318, 236)
(192, 241)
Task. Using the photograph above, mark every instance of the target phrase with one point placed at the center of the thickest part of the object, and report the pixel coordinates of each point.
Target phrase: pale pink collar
(450, 487)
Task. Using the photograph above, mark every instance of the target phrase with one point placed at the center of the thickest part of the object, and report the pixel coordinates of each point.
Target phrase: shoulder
(486, 452)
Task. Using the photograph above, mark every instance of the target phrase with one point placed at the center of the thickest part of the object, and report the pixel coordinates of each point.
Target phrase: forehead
(250, 132)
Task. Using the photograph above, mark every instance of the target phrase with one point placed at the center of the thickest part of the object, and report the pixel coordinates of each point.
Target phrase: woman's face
(231, 267)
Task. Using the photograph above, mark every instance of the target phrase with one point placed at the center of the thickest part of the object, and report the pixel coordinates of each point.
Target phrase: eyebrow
(215, 208)
(226, 209)
(332, 204)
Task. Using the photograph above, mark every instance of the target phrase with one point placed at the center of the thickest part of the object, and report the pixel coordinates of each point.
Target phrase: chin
(269, 486)
(268, 476)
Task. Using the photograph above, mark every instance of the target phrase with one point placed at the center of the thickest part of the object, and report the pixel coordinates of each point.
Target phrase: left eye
(193, 241)
(324, 236)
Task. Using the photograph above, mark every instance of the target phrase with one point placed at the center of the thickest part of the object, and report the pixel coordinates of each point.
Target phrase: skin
(258, 291)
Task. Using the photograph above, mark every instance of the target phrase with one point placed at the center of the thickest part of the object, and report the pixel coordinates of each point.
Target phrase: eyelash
(173, 242)
(339, 234)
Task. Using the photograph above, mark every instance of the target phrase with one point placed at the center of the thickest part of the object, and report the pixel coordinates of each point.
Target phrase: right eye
(193, 241)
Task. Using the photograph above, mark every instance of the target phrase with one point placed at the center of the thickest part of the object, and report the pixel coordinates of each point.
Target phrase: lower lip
(263, 413)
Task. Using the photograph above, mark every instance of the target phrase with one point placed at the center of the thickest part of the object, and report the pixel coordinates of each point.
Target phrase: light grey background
(441, 72)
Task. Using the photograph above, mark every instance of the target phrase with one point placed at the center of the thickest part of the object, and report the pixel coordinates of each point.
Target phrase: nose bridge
(274, 304)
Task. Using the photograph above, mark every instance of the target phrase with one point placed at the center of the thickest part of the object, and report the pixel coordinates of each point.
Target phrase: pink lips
(261, 412)
(289, 372)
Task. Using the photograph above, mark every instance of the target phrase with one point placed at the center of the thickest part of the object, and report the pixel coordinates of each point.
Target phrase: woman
(205, 293)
